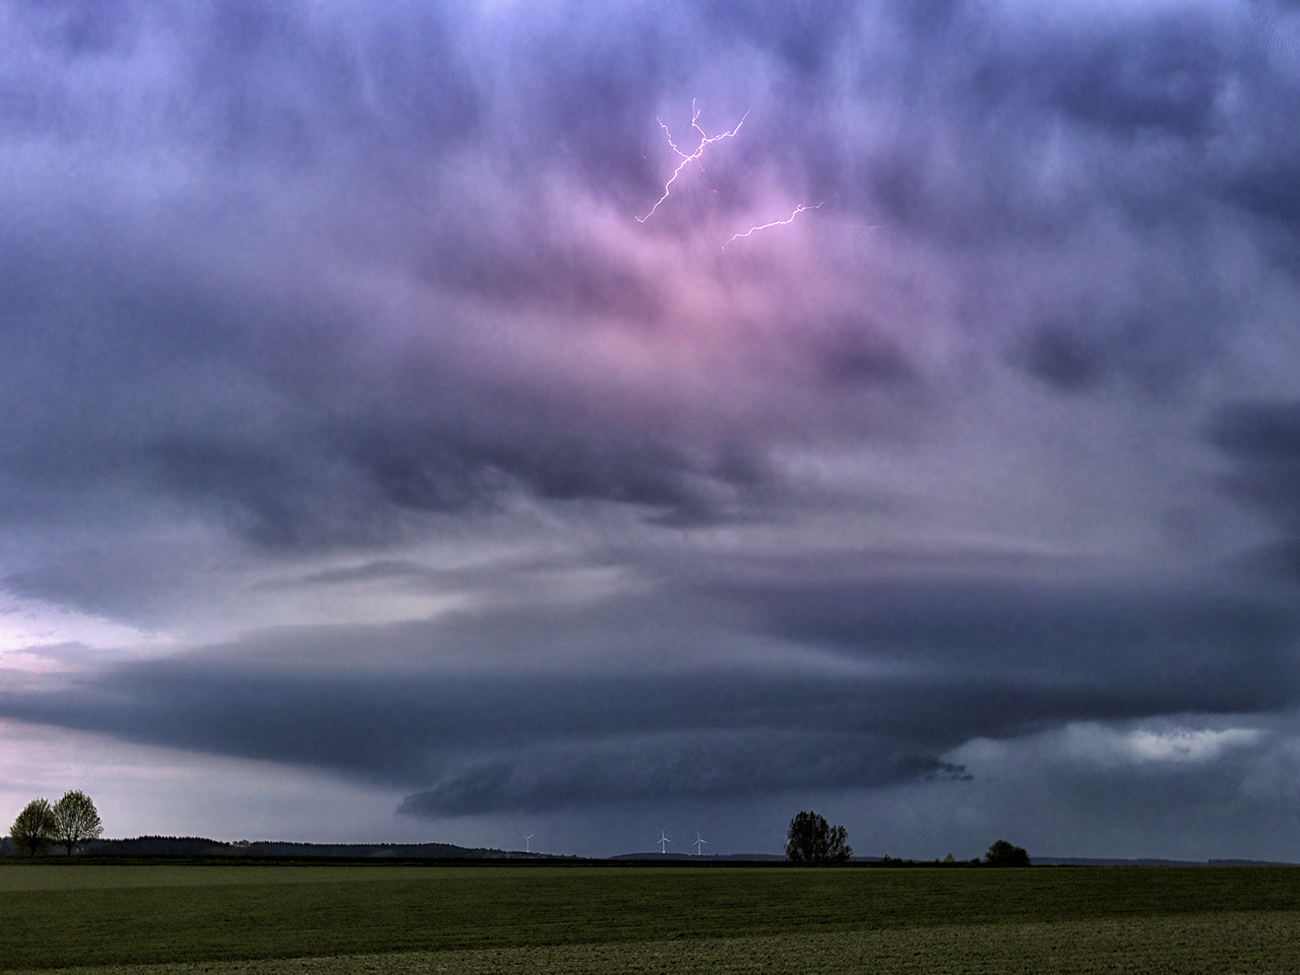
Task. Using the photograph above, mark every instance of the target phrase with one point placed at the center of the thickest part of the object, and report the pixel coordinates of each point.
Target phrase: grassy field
(320, 919)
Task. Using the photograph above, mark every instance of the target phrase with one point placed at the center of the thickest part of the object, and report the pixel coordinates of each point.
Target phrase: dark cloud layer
(923, 668)
(1263, 439)
(505, 745)
(310, 307)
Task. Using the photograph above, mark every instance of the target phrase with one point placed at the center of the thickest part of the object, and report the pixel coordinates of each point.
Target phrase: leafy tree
(1003, 854)
(76, 820)
(811, 839)
(34, 828)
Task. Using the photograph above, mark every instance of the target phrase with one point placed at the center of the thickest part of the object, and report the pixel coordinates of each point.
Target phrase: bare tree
(33, 830)
(76, 820)
(811, 839)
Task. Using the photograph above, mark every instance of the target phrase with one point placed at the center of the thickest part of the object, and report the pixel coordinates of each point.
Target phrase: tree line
(71, 821)
(74, 820)
(812, 840)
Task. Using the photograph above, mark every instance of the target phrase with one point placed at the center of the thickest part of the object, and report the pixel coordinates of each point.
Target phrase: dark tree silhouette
(811, 839)
(34, 828)
(76, 820)
(1003, 854)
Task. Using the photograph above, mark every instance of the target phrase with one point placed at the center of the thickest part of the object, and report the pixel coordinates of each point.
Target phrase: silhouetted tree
(76, 820)
(811, 839)
(1003, 854)
(34, 828)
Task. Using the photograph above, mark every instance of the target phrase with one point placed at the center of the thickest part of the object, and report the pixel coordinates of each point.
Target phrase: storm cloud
(360, 412)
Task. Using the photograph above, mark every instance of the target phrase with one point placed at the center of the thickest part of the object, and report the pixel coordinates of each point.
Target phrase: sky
(404, 437)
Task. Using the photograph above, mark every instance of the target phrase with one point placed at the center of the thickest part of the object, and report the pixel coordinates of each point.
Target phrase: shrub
(76, 820)
(1003, 854)
(811, 839)
(34, 828)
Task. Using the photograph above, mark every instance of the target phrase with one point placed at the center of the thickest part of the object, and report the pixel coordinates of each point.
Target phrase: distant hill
(1250, 863)
(1151, 862)
(1043, 861)
(202, 846)
(177, 846)
(656, 855)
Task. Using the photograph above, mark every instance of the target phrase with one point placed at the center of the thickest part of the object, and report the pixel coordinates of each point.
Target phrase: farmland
(176, 919)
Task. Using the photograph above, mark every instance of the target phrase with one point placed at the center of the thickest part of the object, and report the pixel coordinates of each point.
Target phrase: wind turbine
(663, 841)
(698, 843)
(528, 842)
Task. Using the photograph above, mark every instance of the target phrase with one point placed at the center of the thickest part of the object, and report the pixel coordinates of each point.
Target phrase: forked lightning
(705, 142)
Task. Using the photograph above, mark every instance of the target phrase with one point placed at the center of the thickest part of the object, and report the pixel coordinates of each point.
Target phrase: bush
(34, 828)
(811, 839)
(76, 820)
(1003, 854)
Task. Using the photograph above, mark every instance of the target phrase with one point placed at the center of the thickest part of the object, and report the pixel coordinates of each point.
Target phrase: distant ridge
(1153, 862)
(202, 846)
(1251, 863)
(182, 846)
(656, 855)
(1037, 860)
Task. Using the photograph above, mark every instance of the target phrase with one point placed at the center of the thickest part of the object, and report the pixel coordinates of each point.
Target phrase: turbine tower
(663, 841)
(528, 842)
(698, 843)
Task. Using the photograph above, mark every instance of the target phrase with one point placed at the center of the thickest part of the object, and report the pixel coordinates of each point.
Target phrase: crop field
(321, 919)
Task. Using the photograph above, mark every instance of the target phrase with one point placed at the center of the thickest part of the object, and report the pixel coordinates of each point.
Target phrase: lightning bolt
(705, 141)
(776, 223)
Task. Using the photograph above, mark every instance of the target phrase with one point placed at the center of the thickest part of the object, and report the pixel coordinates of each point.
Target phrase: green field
(171, 919)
